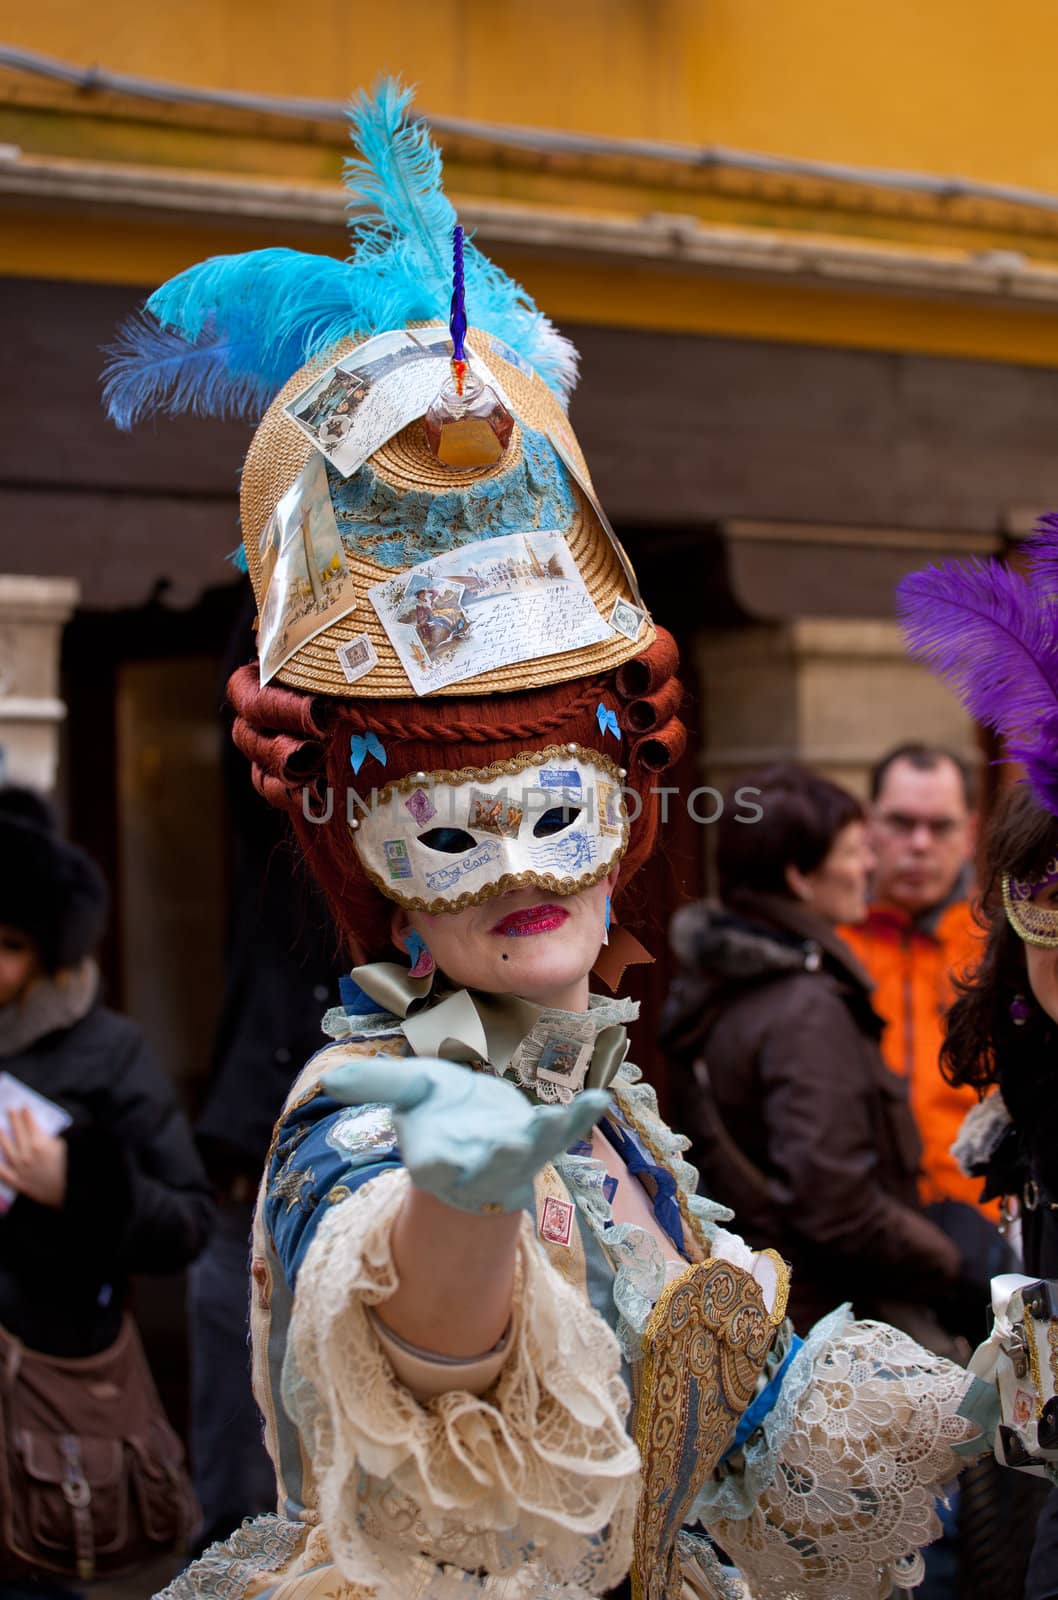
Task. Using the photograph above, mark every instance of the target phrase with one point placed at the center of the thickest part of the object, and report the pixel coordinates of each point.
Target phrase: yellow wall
(954, 87)
(961, 86)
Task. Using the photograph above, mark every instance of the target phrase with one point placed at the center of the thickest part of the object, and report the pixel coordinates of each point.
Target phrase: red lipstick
(535, 919)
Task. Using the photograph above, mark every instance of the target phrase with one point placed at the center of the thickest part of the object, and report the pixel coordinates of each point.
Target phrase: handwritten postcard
(487, 605)
(562, 444)
(369, 395)
(309, 585)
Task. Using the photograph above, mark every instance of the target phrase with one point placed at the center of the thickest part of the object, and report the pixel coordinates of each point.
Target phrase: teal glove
(471, 1140)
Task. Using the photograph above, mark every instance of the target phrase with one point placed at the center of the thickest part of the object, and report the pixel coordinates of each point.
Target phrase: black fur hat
(49, 888)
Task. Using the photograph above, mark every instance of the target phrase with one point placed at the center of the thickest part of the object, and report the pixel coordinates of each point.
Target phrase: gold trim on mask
(1036, 925)
(499, 769)
(504, 885)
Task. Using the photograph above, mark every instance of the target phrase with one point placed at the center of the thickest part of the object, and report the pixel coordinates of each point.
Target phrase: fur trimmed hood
(50, 1004)
(725, 951)
(710, 939)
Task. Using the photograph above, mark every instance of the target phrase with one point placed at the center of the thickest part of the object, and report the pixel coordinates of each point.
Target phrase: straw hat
(279, 452)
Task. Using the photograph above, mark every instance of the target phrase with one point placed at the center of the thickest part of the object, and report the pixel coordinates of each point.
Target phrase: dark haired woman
(1002, 1037)
(797, 1122)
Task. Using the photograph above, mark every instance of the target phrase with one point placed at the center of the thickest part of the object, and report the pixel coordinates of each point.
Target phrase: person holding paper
(120, 1189)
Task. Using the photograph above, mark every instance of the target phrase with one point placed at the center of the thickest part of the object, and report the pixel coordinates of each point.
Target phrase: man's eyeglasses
(898, 822)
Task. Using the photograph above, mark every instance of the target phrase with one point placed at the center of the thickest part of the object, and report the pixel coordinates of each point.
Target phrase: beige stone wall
(32, 614)
(835, 694)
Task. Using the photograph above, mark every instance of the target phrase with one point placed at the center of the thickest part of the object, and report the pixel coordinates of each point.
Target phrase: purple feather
(1039, 756)
(993, 637)
(981, 627)
(1041, 558)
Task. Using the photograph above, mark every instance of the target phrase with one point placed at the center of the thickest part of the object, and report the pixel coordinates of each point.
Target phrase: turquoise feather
(222, 338)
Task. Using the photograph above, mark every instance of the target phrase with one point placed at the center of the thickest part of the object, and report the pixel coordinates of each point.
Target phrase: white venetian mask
(439, 841)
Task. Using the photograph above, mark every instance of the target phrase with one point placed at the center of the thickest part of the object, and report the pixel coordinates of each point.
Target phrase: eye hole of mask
(450, 841)
(554, 820)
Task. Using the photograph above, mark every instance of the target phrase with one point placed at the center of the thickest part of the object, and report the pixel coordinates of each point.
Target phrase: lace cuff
(850, 1497)
(540, 1471)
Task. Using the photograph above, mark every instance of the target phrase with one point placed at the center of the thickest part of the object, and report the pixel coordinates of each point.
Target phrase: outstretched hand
(471, 1140)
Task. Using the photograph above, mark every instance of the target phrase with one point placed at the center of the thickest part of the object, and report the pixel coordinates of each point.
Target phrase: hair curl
(983, 1046)
(298, 745)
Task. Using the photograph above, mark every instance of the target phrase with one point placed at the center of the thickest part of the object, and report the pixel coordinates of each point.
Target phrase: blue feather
(223, 337)
(152, 370)
(283, 306)
(398, 171)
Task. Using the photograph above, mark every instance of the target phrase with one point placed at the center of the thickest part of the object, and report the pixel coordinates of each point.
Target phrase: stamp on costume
(559, 778)
(495, 813)
(556, 1221)
(421, 806)
(356, 657)
(562, 1059)
(262, 1280)
(398, 860)
(1024, 1409)
(568, 853)
(611, 811)
(361, 1128)
(627, 619)
(447, 877)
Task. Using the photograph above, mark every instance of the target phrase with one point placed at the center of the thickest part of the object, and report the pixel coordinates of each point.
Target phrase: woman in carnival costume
(501, 1345)
(992, 633)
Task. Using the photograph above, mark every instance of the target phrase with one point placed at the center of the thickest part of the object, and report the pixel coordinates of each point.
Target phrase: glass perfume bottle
(467, 425)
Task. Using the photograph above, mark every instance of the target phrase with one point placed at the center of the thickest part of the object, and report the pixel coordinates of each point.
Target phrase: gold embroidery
(1034, 1361)
(1052, 1340)
(340, 1192)
(289, 1184)
(777, 1314)
(1034, 924)
(284, 1115)
(704, 1349)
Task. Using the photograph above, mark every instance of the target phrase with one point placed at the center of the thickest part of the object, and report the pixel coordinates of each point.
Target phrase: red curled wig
(299, 745)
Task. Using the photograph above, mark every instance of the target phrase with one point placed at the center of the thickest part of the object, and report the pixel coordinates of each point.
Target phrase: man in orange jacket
(918, 935)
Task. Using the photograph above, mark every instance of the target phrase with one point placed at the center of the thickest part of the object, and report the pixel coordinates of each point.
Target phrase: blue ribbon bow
(362, 745)
(607, 720)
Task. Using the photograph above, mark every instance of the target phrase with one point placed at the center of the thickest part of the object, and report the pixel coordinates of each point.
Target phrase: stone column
(32, 614)
(833, 693)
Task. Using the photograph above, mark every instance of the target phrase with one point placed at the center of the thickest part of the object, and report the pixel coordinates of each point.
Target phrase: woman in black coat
(796, 1121)
(120, 1189)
